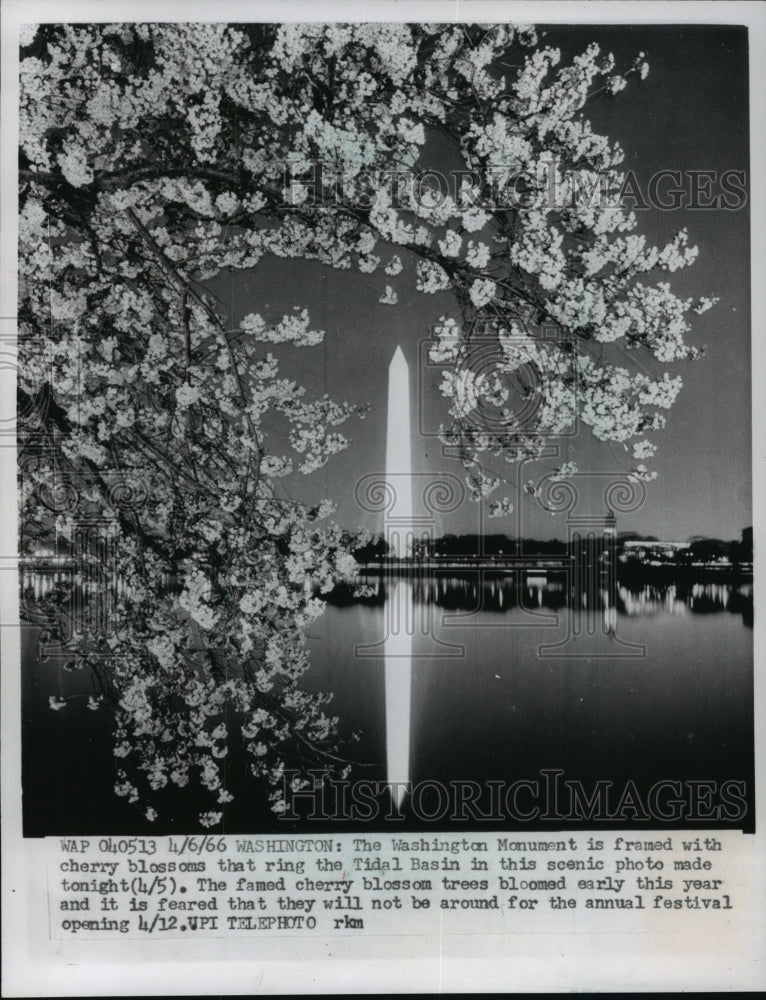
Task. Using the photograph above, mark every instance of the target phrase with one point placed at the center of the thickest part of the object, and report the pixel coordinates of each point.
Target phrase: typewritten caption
(216, 886)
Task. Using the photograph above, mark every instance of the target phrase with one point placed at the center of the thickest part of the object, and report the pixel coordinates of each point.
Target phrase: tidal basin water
(510, 675)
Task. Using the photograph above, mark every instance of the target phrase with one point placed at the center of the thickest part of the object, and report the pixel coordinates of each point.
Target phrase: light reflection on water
(480, 591)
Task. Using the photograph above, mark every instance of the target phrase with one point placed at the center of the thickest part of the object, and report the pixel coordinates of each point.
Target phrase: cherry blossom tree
(155, 156)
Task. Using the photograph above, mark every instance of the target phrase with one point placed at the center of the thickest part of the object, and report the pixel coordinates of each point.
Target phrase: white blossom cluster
(431, 277)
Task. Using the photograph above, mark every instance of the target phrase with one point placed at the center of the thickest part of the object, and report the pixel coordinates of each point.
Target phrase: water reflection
(690, 598)
(480, 591)
(398, 688)
(522, 697)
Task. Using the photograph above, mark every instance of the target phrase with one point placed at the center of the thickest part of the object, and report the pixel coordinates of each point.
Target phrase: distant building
(644, 550)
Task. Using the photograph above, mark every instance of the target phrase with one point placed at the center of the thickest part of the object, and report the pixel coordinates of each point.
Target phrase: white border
(34, 966)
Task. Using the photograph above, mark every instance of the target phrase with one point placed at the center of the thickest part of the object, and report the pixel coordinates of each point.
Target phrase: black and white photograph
(381, 455)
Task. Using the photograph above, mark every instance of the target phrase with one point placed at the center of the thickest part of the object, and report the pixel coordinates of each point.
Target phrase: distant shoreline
(542, 567)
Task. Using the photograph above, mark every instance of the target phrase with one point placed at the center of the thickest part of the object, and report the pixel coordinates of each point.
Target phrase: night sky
(691, 113)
